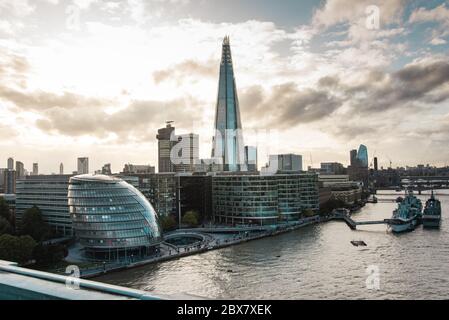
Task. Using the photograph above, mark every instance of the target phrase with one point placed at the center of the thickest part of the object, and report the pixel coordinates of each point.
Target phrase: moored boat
(406, 216)
(432, 213)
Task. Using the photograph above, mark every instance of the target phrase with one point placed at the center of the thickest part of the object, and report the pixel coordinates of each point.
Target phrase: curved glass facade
(362, 155)
(110, 214)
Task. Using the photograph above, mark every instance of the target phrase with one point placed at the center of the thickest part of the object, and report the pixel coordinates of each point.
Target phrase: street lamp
(179, 201)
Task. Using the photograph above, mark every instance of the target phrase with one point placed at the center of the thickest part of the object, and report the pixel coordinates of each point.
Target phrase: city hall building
(263, 199)
(111, 218)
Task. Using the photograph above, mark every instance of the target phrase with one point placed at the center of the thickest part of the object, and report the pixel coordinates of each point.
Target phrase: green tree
(4, 209)
(168, 222)
(49, 254)
(34, 225)
(308, 213)
(16, 249)
(191, 218)
(5, 227)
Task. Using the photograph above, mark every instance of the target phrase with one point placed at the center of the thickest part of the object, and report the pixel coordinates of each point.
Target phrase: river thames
(314, 262)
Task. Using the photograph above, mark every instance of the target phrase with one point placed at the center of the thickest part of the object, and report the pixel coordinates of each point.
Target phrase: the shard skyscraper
(227, 144)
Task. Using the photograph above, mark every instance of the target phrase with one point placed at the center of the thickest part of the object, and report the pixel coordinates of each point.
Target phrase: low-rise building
(284, 163)
(138, 169)
(332, 168)
(350, 193)
(341, 188)
(327, 180)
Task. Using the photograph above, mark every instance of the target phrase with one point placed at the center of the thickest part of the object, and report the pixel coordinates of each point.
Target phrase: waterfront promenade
(213, 238)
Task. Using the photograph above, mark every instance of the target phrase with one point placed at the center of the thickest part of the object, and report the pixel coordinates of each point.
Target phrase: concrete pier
(353, 224)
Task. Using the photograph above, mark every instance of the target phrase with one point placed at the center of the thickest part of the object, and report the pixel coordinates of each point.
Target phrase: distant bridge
(438, 194)
(425, 182)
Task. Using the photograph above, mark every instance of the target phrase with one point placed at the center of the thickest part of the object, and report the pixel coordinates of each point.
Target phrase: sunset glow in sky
(98, 78)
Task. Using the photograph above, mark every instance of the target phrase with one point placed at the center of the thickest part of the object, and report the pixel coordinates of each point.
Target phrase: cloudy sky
(98, 78)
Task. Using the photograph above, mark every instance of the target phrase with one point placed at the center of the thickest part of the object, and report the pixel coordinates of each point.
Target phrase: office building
(35, 171)
(353, 157)
(2, 179)
(164, 189)
(112, 219)
(9, 181)
(359, 174)
(251, 158)
(10, 165)
(20, 170)
(162, 192)
(196, 195)
(160, 189)
(166, 140)
(263, 199)
(138, 169)
(341, 188)
(187, 154)
(227, 143)
(332, 168)
(83, 166)
(325, 194)
(362, 156)
(106, 169)
(327, 180)
(358, 170)
(61, 168)
(285, 162)
(349, 193)
(209, 165)
(49, 194)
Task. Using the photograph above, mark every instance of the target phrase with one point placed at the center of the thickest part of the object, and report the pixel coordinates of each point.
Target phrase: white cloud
(439, 15)
(106, 59)
(19, 8)
(438, 41)
(351, 11)
(84, 4)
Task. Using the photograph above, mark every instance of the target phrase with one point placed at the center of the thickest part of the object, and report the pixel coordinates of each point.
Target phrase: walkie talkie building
(227, 144)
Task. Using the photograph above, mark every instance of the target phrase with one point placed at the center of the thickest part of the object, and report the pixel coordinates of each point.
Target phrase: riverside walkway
(212, 239)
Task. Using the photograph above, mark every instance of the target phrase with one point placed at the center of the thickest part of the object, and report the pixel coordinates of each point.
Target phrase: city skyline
(314, 72)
